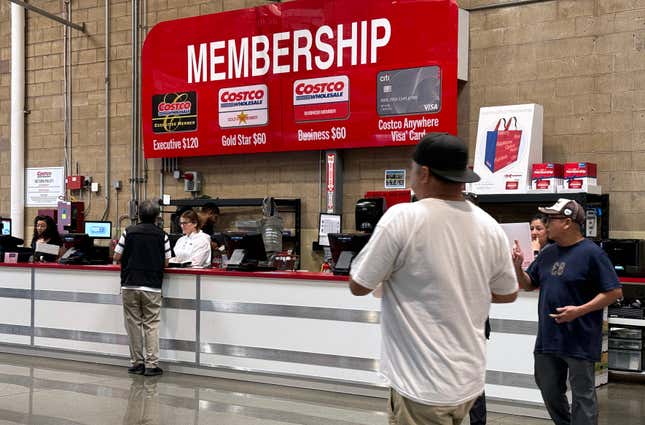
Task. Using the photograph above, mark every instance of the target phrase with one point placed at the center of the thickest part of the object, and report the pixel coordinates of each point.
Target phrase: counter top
(207, 272)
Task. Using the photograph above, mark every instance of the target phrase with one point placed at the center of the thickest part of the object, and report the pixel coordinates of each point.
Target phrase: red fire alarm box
(75, 182)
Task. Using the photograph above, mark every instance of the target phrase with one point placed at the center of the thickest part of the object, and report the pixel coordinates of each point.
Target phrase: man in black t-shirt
(143, 251)
(576, 281)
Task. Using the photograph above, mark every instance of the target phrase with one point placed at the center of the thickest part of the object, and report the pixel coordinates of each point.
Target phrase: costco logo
(321, 99)
(245, 106)
(179, 108)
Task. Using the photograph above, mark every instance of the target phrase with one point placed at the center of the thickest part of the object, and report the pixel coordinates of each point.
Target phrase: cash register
(246, 252)
(77, 247)
(345, 246)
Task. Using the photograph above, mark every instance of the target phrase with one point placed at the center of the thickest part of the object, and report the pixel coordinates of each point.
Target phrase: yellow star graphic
(242, 117)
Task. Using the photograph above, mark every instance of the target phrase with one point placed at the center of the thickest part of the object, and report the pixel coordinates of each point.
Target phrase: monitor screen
(352, 242)
(98, 229)
(251, 242)
(6, 226)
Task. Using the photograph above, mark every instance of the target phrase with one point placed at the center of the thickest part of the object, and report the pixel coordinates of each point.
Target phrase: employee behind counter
(45, 232)
(195, 245)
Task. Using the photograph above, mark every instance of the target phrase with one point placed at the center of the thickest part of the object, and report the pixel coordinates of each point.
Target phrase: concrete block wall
(582, 59)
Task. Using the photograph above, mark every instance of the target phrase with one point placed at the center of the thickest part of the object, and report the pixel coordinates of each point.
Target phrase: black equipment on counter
(627, 255)
(368, 212)
(344, 247)
(245, 251)
(10, 244)
(78, 248)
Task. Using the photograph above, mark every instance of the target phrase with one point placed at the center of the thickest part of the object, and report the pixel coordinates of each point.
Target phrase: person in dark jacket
(143, 251)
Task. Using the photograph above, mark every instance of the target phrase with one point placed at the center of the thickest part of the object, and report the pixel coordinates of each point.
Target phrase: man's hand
(567, 313)
(571, 312)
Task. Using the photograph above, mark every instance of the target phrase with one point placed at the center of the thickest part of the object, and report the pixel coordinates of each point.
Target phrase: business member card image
(409, 91)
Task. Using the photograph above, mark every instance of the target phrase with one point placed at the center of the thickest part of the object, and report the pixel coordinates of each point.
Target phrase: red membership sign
(302, 75)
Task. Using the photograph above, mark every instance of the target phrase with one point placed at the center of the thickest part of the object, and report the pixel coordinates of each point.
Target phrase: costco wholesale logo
(174, 112)
(321, 99)
(245, 106)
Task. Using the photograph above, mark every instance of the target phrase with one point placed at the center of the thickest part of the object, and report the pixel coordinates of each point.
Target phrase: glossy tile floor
(56, 392)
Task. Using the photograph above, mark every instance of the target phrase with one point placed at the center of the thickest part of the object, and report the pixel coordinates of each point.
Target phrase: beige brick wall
(582, 59)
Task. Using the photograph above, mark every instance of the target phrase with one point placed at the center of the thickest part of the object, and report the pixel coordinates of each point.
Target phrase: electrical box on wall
(192, 181)
(75, 182)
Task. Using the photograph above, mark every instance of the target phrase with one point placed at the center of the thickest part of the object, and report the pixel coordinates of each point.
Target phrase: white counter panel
(179, 286)
(15, 339)
(178, 324)
(511, 353)
(524, 308)
(16, 278)
(106, 318)
(176, 356)
(15, 311)
(295, 334)
(83, 346)
(259, 365)
(514, 393)
(98, 282)
(285, 292)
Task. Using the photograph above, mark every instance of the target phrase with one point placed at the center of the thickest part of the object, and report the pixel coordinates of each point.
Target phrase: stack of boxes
(546, 177)
(571, 177)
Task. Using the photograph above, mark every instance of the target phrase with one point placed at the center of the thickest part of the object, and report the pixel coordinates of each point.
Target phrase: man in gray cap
(441, 260)
(576, 281)
(143, 251)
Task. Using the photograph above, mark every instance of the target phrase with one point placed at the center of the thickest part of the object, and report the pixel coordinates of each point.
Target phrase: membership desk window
(329, 223)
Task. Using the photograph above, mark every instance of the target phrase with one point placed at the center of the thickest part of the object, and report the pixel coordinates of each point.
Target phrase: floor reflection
(56, 392)
(143, 402)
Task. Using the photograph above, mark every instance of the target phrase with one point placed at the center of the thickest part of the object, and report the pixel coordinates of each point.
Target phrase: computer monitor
(244, 250)
(98, 229)
(344, 247)
(6, 227)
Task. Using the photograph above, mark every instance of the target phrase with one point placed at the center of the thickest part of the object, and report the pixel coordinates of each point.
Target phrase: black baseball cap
(446, 156)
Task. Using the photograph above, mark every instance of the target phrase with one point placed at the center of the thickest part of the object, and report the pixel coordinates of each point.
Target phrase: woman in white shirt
(195, 245)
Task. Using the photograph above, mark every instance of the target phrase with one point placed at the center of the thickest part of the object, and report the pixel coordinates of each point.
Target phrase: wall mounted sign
(394, 179)
(44, 186)
(303, 75)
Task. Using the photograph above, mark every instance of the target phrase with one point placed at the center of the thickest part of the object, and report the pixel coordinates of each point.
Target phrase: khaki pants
(403, 411)
(141, 315)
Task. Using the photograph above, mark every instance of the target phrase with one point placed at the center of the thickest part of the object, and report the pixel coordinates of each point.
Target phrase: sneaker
(153, 371)
(137, 369)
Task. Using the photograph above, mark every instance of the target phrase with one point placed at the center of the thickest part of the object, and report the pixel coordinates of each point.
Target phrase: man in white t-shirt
(441, 261)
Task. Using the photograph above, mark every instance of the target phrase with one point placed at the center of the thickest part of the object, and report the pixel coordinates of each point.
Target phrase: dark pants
(478, 411)
(551, 377)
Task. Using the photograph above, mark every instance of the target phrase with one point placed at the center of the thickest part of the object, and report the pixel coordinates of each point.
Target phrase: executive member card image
(409, 91)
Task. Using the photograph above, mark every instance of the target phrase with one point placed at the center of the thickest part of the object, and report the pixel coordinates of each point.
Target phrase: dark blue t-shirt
(571, 275)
